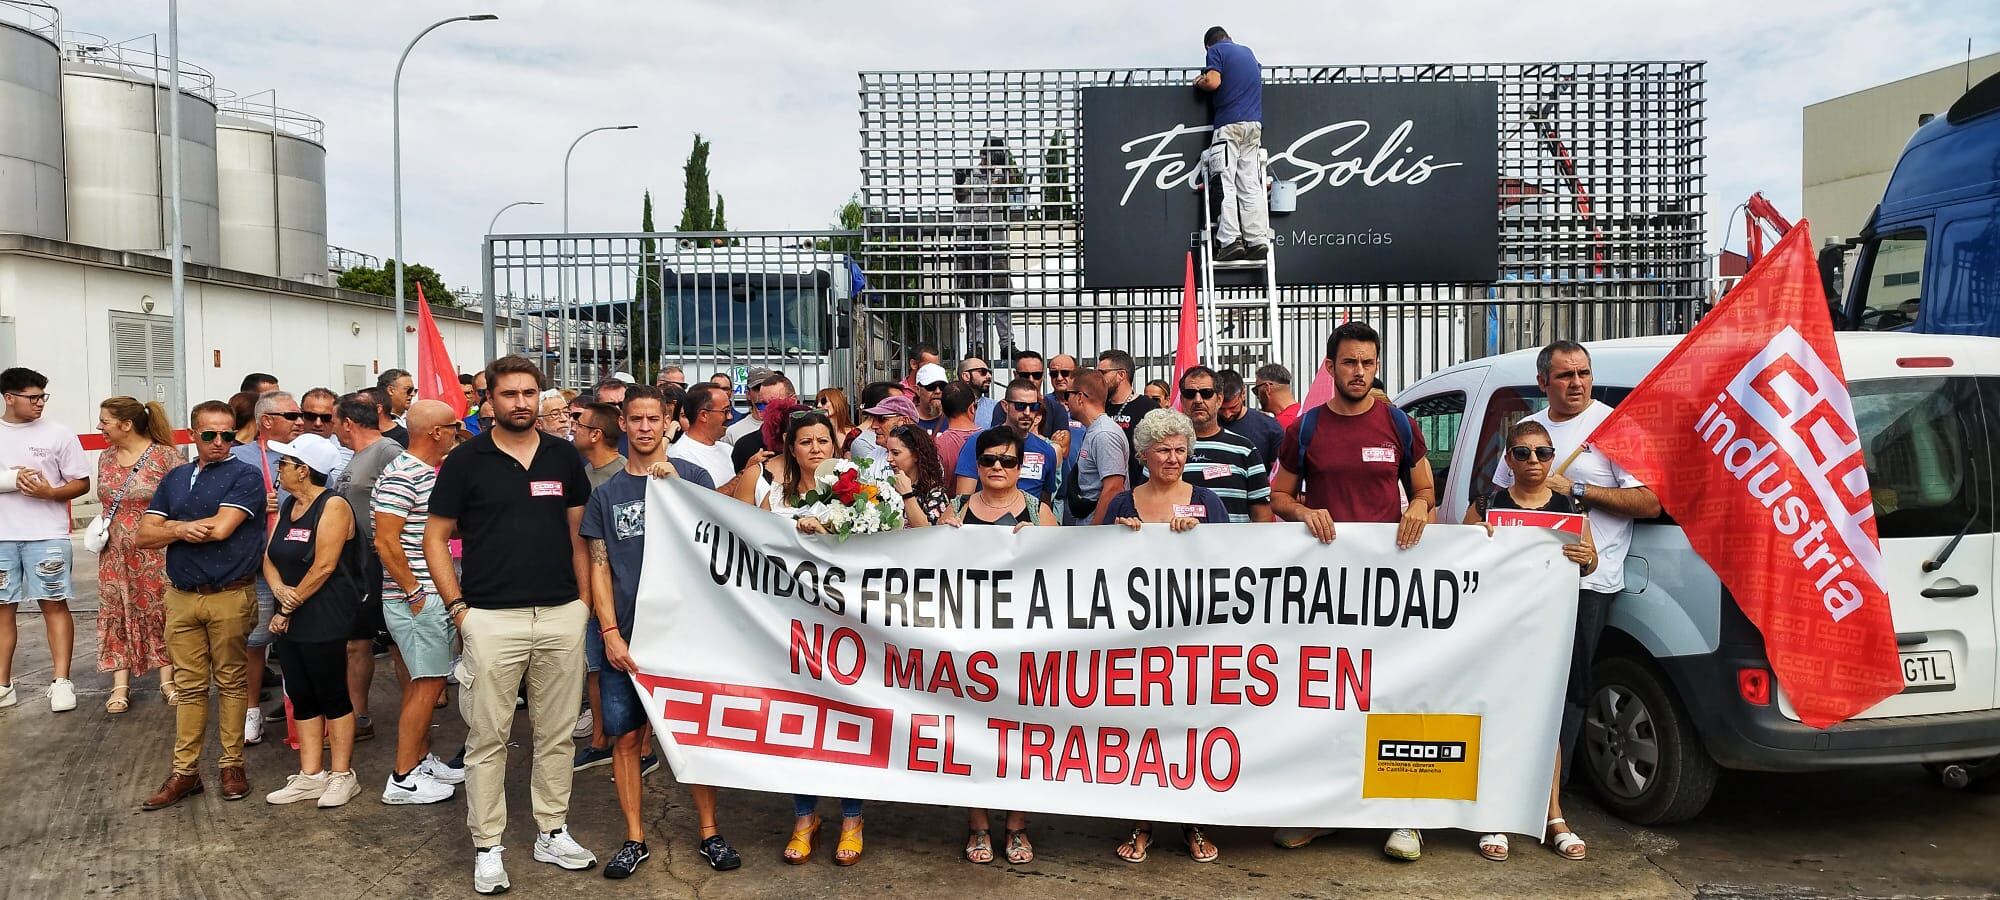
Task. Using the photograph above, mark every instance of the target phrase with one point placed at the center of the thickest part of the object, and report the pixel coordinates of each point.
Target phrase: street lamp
(562, 310)
(492, 342)
(396, 152)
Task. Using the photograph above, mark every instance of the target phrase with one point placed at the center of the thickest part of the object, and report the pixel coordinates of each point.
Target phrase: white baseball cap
(624, 377)
(931, 374)
(318, 453)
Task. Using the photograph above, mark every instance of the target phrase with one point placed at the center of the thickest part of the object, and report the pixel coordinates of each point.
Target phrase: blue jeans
(805, 805)
(34, 570)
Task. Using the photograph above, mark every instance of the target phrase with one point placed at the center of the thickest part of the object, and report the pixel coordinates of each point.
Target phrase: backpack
(1398, 420)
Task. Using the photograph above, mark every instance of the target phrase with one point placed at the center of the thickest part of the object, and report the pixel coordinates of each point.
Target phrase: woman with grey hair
(1164, 438)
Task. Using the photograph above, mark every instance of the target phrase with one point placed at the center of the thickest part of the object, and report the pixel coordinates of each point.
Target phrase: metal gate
(593, 304)
(1599, 204)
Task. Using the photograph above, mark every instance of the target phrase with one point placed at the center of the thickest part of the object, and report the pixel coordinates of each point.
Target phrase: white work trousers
(1246, 212)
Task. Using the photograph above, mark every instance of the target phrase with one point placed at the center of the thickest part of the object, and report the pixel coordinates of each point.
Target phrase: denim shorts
(35, 570)
(424, 638)
(593, 650)
(622, 711)
(267, 603)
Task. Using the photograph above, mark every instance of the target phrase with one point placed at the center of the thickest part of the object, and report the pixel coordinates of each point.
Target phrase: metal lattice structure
(1599, 207)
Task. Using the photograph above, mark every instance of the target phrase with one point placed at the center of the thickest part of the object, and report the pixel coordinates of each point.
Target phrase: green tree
(848, 218)
(382, 282)
(1056, 180)
(721, 222)
(696, 213)
(648, 296)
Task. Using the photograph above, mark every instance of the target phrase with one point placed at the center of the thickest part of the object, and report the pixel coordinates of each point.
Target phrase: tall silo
(31, 123)
(116, 137)
(271, 179)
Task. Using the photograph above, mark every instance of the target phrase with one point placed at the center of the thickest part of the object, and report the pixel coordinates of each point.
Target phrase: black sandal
(978, 839)
(721, 857)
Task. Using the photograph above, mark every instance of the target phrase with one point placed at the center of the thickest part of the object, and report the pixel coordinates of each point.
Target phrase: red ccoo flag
(1747, 434)
(1186, 355)
(436, 379)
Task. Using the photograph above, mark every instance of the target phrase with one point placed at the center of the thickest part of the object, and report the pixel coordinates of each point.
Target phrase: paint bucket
(1284, 196)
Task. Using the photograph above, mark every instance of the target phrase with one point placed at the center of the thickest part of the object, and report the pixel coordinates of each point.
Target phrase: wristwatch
(1576, 489)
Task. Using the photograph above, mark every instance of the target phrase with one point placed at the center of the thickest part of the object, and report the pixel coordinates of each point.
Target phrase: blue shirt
(1039, 464)
(193, 492)
(1053, 411)
(616, 515)
(1240, 98)
(1263, 430)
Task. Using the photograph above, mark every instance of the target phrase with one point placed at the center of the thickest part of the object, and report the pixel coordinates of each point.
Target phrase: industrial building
(85, 294)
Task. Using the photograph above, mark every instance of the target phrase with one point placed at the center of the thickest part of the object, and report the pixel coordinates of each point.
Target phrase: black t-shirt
(1500, 499)
(1127, 415)
(746, 447)
(515, 521)
(328, 615)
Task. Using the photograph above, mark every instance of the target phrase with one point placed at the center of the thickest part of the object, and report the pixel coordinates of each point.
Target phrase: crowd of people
(501, 551)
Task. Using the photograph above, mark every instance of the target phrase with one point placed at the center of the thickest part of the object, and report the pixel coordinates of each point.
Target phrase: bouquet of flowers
(849, 499)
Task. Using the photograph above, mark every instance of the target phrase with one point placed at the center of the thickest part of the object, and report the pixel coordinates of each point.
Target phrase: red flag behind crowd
(1747, 434)
(1186, 355)
(436, 379)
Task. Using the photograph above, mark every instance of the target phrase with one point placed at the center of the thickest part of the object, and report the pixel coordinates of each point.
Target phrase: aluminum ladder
(1232, 334)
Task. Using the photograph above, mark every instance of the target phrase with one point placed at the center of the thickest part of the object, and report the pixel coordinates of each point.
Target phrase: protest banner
(1224, 676)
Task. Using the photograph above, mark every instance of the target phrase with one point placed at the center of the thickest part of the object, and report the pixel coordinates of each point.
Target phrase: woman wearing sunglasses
(1529, 456)
(314, 565)
(832, 402)
(999, 500)
(1164, 439)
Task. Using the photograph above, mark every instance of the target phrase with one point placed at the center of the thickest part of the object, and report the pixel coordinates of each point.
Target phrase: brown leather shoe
(235, 784)
(177, 787)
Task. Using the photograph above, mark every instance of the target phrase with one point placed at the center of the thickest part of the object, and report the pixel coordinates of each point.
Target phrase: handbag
(97, 535)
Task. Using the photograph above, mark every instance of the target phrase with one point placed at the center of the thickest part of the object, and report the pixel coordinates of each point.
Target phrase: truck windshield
(742, 316)
(1893, 289)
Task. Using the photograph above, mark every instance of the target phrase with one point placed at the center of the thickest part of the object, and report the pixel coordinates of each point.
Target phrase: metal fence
(593, 304)
(1599, 207)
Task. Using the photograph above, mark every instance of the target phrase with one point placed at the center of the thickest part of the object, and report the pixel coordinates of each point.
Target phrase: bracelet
(456, 606)
(606, 630)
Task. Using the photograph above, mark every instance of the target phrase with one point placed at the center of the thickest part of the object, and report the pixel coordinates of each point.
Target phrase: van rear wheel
(1639, 748)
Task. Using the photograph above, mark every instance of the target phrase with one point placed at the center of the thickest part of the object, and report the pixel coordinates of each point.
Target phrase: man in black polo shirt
(199, 513)
(515, 494)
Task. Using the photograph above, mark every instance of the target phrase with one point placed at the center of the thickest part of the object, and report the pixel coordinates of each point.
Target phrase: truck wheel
(1639, 749)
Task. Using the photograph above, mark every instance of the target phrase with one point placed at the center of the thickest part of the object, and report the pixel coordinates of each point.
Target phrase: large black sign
(1396, 182)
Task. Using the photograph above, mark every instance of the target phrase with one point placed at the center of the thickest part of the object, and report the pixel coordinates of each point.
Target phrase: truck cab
(1682, 681)
(1929, 256)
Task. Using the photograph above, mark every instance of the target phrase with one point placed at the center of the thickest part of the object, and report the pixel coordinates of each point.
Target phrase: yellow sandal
(850, 839)
(802, 843)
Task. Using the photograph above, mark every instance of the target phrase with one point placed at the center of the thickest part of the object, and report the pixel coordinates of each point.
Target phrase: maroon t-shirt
(1353, 463)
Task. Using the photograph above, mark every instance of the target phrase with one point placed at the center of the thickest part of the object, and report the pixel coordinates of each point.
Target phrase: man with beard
(1351, 460)
(1221, 460)
(516, 495)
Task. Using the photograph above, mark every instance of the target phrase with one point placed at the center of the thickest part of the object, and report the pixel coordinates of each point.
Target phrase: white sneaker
(340, 788)
(489, 874)
(583, 725)
(62, 695)
(420, 789)
(559, 848)
(9, 696)
(298, 787)
(253, 727)
(441, 771)
(1404, 844)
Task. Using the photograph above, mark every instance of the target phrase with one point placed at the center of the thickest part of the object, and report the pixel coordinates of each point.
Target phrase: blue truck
(1929, 257)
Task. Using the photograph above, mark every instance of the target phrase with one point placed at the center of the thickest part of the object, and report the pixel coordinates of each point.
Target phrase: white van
(1682, 681)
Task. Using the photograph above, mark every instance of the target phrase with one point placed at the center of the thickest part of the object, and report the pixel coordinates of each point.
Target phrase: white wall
(60, 310)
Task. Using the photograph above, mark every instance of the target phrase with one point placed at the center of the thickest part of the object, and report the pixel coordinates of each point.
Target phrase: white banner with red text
(1228, 675)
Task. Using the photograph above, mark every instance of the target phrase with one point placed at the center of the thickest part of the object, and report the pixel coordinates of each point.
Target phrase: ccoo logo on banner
(1201, 677)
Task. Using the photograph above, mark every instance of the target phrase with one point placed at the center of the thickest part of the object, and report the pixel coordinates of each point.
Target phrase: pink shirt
(52, 450)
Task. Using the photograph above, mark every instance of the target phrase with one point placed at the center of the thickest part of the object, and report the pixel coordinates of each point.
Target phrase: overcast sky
(488, 108)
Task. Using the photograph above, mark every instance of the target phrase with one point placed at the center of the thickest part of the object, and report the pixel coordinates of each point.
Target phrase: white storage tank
(31, 122)
(271, 187)
(115, 134)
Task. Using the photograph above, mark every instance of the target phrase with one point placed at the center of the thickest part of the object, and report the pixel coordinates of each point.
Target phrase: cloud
(489, 108)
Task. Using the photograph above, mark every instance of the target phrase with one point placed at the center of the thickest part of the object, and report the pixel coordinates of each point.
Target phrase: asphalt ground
(70, 826)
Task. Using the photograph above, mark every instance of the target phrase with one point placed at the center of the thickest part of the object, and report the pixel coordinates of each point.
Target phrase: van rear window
(1926, 445)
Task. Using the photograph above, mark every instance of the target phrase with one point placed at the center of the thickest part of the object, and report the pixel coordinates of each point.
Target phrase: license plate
(1927, 671)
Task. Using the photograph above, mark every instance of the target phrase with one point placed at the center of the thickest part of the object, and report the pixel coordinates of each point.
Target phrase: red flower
(847, 486)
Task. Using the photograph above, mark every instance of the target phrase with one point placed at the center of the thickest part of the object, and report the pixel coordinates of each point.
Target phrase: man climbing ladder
(1235, 83)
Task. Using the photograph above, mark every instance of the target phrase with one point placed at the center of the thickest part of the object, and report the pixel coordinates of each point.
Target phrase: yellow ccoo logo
(1422, 757)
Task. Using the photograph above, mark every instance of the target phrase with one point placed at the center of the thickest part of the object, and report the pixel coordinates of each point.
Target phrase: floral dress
(131, 583)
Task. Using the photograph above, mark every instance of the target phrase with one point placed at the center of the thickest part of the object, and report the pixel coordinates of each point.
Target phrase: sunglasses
(933, 387)
(1031, 376)
(989, 460)
(1061, 373)
(1070, 393)
(288, 416)
(317, 418)
(980, 371)
(1025, 405)
(1521, 452)
(209, 437)
(1197, 393)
